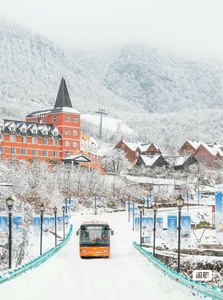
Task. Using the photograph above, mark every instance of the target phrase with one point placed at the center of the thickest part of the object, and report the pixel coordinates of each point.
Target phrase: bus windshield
(94, 235)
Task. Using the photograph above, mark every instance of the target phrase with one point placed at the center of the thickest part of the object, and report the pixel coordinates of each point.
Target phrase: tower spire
(63, 98)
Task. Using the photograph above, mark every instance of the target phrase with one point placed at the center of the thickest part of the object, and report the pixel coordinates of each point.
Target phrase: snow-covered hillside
(163, 98)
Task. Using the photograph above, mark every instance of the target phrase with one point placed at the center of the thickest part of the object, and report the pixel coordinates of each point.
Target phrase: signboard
(17, 230)
(185, 229)
(137, 223)
(36, 225)
(159, 226)
(172, 230)
(4, 221)
(219, 216)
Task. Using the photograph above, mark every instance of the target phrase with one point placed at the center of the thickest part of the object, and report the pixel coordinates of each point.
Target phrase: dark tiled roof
(63, 98)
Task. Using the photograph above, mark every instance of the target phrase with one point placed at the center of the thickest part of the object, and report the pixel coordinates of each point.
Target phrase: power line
(101, 112)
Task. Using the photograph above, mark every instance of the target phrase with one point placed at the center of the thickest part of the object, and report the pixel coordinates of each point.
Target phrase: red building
(52, 134)
(209, 154)
(133, 149)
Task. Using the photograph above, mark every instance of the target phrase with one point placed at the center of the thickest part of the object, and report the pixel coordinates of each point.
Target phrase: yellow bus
(94, 239)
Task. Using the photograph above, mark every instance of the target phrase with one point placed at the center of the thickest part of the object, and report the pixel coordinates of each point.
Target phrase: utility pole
(101, 112)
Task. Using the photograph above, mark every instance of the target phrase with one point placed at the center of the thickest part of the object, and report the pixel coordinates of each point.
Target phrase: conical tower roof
(63, 98)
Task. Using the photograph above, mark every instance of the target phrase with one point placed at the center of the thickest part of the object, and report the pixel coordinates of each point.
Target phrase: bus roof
(94, 222)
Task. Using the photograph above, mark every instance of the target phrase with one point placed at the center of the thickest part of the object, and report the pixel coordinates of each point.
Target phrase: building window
(54, 119)
(24, 130)
(55, 133)
(45, 153)
(75, 144)
(75, 120)
(75, 132)
(23, 151)
(34, 152)
(1, 150)
(67, 132)
(34, 140)
(12, 138)
(67, 153)
(67, 143)
(55, 154)
(137, 154)
(34, 131)
(55, 142)
(12, 128)
(45, 141)
(23, 139)
(12, 151)
(67, 118)
(2, 137)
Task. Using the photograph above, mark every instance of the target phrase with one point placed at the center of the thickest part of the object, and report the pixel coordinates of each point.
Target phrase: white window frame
(45, 141)
(34, 152)
(45, 153)
(23, 151)
(67, 118)
(34, 140)
(12, 138)
(12, 150)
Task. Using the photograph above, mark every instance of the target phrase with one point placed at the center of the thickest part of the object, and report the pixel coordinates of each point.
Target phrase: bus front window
(94, 235)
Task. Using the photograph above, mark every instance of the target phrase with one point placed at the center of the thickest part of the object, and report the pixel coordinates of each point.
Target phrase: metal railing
(204, 289)
(8, 275)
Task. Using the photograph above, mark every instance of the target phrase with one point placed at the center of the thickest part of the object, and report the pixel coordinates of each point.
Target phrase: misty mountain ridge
(164, 98)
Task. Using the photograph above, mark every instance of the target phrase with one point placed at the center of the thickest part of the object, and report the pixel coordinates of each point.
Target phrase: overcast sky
(189, 26)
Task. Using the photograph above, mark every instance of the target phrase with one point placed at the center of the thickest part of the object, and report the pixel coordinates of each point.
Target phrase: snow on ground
(125, 275)
(112, 124)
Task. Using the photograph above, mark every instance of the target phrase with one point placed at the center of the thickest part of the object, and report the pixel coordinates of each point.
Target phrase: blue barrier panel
(6, 276)
(204, 289)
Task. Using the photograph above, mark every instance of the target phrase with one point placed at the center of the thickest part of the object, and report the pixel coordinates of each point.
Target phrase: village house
(133, 149)
(152, 161)
(209, 154)
(49, 135)
(189, 146)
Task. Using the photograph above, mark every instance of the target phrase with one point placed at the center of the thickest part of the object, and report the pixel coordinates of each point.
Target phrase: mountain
(163, 97)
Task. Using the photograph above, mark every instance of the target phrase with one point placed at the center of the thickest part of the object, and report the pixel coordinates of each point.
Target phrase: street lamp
(180, 203)
(187, 201)
(133, 214)
(198, 195)
(41, 228)
(55, 224)
(95, 205)
(9, 202)
(155, 208)
(141, 208)
(63, 209)
(128, 210)
(66, 200)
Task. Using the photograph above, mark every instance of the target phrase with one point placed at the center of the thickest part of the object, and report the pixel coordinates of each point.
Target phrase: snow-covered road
(125, 275)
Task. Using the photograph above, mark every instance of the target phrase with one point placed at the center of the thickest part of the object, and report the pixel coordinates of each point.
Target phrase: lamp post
(141, 208)
(133, 215)
(9, 202)
(66, 200)
(155, 208)
(180, 203)
(41, 228)
(95, 205)
(55, 224)
(63, 209)
(187, 201)
(198, 195)
(128, 210)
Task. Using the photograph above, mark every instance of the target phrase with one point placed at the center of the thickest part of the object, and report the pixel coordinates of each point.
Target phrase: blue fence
(204, 289)
(6, 276)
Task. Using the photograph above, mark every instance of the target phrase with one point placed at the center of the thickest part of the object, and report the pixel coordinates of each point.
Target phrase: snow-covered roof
(194, 143)
(180, 160)
(149, 160)
(213, 148)
(133, 145)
